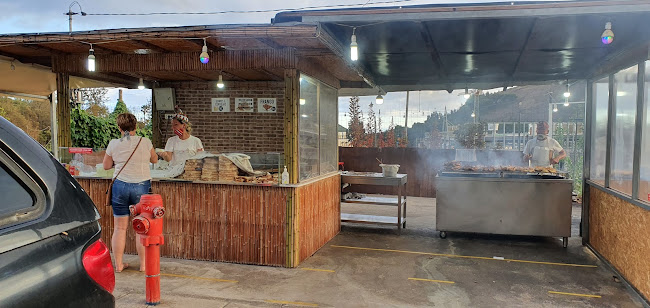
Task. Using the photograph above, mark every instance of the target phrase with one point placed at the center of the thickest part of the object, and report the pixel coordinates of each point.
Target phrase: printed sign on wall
(221, 104)
(267, 105)
(243, 104)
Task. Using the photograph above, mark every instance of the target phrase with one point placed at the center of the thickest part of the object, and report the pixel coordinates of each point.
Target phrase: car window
(15, 196)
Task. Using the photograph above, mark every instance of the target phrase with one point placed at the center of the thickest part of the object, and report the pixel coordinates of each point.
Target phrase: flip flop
(124, 266)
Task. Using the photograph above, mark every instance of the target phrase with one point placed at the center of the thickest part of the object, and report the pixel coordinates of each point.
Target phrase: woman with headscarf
(131, 156)
(183, 145)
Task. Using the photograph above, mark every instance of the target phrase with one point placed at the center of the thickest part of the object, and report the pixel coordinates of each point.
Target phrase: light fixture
(91, 59)
(13, 67)
(304, 115)
(303, 101)
(300, 79)
(379, 100)
(354, 48)
(554, 108)
(141, 85)
(473, 114)
(567, 93)
(204, 56)
(466, 96)
(220, 83)
(608, 34)
(566, 102)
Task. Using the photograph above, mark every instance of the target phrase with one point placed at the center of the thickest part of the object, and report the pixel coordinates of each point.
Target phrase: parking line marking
(575, 294)
(190, 277)
(431, 280)
(466, 257)
(292, 303)
(317, 270)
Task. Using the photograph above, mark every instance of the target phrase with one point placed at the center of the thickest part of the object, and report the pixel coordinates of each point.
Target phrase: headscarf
(180, 116)
(126, 135)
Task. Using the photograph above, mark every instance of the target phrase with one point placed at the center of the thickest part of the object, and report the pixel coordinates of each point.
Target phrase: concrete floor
(345, 274)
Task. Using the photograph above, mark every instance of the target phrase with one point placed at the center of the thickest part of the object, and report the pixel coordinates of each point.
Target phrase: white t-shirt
(540, 151)
(137, 170)
(182, 149)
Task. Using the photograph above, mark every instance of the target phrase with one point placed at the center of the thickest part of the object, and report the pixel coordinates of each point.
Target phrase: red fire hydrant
(149, 224)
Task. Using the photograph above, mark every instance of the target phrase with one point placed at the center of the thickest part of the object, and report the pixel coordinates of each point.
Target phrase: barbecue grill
(503, 202)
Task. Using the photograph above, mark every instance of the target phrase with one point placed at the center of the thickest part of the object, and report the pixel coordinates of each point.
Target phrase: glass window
(328, 143)
(599, 130)
(317, 144)
(308, 127)
(622, 149)
(644, 184)
(16, 197)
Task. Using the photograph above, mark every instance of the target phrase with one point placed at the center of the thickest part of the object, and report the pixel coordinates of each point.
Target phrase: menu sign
(221, 104)
(266, 105)
(243, 104)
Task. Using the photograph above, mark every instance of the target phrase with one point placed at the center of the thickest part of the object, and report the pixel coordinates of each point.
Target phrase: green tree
(95, 101)
(355, 125)
(120, 107)
(471, 135)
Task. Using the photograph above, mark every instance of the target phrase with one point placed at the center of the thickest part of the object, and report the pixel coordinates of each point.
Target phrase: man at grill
(543, 151)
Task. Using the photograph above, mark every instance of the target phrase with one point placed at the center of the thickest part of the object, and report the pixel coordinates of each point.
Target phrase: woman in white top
(131, 183)
(182, 146)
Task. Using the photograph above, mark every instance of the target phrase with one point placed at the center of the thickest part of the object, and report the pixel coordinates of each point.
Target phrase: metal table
(369, 178)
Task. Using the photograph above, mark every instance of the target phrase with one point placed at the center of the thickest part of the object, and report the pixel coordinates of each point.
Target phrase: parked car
(51, 254)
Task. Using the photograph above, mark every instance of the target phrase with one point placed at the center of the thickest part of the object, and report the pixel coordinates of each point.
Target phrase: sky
(38, 16)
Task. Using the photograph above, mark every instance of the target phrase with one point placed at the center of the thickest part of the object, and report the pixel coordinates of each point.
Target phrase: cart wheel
(443, 234)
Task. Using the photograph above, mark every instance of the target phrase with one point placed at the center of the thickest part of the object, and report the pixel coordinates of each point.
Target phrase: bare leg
(118, 241)
(140, 248)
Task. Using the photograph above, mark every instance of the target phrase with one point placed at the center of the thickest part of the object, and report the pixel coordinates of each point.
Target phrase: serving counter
(512, 206)
(264, 224)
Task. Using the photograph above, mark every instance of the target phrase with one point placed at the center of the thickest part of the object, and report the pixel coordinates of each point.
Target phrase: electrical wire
(249, 11)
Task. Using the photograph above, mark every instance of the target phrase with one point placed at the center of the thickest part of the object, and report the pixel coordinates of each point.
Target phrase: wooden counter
(278, 225)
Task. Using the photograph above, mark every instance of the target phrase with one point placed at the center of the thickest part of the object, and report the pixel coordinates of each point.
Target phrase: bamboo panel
(174, 62)
(619, 231)
(63, 110)
(213, 222)
(319, 215)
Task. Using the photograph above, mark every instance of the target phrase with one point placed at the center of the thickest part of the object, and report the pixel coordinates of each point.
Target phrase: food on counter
(456, 166)
(265, 179)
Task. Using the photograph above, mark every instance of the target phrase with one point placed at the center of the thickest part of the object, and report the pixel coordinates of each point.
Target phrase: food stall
(503, 200)
(266, 91)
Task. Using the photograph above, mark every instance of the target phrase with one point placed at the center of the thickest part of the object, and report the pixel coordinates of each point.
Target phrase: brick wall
(231, 131)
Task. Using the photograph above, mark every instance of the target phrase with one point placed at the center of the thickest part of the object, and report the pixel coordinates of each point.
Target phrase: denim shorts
(125, 194)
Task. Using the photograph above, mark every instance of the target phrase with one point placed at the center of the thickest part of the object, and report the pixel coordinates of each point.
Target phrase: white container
(285, 176)
(389, 170)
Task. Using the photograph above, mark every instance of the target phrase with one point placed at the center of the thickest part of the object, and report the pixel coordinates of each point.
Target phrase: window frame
(641, 106)
(31, 186)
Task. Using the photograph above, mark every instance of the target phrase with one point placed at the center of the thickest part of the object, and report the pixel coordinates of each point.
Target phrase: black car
(51, 254)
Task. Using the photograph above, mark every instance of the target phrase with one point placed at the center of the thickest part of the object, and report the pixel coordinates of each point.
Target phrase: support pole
(63, 110)
(406, 121)
(53, 126)
(291, 99)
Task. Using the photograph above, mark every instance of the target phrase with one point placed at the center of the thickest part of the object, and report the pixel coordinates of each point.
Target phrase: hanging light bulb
(141, 85)
(473, 114)
(379, 100)
(566, 102)
(354, 48)
(91, 59)
(567, 93)
(204, 56)
(608, 35)
(303, 101)
(554, 108)
(220, 83)
(466, 96)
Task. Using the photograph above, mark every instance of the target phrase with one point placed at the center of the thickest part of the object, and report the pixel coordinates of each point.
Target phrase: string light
(204, 56)
(554, 107)
(354, 48)
(608, 35)
(473, 114)
(220, 83)
(141, 85)
(91, 59)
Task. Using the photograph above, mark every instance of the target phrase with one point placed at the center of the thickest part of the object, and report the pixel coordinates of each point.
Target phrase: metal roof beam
(475, 12)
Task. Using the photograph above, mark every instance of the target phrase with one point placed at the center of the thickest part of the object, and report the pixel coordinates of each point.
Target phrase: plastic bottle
(285, 176)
